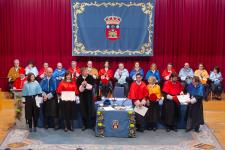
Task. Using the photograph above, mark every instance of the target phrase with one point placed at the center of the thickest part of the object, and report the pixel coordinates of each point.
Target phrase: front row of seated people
(82, 82)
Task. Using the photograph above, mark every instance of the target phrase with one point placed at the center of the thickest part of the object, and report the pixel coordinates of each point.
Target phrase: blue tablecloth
(78, 121)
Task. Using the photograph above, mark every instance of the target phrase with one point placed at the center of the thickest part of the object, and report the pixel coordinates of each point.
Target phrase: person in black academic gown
(195, 108)
(85, 84)
(171, 105)
(48, 85)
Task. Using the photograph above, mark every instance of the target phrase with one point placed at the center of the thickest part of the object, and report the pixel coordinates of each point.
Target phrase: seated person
(195, 108)
(203, 76)
(138, 94)
(13, 73)
(19, 82)
(186, 74)
(135, 70)
(168, 71)
(121, 75)
(216, 85)
(170, 108)
(74, 69)
(31, 68)
(154, 94)
(153, 72)
(59, 73)
(42, 72)
(106, 75)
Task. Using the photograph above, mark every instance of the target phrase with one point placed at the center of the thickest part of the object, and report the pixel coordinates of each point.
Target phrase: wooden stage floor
(214, 112)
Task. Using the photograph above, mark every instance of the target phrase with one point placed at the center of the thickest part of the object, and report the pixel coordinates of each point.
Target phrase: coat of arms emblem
(112, 27)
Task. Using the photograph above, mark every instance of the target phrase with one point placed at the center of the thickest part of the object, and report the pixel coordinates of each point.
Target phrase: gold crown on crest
(112, 20)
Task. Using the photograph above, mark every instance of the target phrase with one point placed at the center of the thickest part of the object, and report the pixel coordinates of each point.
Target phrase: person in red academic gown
(74, 69)
(170, 108)
(138, 94)
(68, 107)
(43, 71)
(19, 82)
(167, 72)
(106, 75)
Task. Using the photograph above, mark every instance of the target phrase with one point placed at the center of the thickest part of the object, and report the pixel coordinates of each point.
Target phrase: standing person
(154, 94)
(30, 90)
(85, 84)
(135, 70)
(216, 78)
(121, 75)
(74, 69)
(59, 73)
(171, 105)
(168, 71)
(48, 85)
(31, 68)
(69, 113)
(195, 108)
(106, 75)
(13, 73)
(138, 94)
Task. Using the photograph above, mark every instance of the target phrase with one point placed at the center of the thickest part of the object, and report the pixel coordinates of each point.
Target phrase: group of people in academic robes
(83, 83)
(54, 106)
(149, 96)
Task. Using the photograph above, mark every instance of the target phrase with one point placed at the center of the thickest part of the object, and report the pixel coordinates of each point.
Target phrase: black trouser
(31, 111)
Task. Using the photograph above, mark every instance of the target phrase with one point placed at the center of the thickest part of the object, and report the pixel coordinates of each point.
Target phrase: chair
(118, 92)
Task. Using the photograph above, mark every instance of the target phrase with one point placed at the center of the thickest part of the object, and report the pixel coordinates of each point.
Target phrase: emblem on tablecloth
(112, 30)
(115, 124)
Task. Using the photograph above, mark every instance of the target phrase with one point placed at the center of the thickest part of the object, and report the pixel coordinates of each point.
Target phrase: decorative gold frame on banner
(79, 47)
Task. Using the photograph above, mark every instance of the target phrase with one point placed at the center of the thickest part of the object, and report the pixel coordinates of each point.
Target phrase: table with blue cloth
(115, 118)
(110, 114)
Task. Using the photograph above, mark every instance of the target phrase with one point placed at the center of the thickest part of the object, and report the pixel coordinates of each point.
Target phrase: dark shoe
(140, 130)
(154, 128)
(35, 129)
(46, 127)
(197, 129)
(56, 127)
(30, 129)
(167, 129)
(174, 129)
(188, 130)
(83, 128)
(65, 129)
(149, 128)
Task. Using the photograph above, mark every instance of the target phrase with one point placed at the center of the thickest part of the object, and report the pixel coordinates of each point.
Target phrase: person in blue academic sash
(153, 72)
(195, 108)
(137, 69)
(48, 85)
(59, 73)
(31, 91)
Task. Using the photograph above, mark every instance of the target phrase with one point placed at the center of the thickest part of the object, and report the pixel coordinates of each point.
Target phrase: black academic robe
(195, 111)
(87, 105)
(170, 108)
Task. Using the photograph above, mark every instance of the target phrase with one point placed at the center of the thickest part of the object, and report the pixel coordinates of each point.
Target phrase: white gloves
(170, 97)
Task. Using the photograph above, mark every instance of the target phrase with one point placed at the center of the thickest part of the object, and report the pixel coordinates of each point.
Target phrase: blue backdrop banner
(112, 27)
